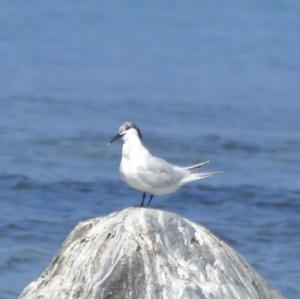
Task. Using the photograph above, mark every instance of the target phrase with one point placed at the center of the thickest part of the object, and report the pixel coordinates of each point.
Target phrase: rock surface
(145, 253)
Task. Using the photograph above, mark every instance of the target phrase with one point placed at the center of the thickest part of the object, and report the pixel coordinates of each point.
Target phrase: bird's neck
(133, 147)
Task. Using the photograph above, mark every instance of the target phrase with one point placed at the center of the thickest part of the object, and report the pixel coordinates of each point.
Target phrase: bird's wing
(157, 173)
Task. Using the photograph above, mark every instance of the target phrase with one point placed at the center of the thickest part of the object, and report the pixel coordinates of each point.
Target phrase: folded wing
(157, 173)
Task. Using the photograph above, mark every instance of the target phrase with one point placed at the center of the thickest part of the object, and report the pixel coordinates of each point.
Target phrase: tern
(149, 174)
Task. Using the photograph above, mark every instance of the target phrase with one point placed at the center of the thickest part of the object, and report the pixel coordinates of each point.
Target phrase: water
(203, 80)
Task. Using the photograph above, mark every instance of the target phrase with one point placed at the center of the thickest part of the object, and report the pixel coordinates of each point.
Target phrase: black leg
(142, 202)
(151, 196)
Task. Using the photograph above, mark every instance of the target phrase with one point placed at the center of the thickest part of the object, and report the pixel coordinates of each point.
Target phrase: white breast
(133, 155)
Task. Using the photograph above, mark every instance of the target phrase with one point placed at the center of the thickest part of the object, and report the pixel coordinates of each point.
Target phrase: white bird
(149, 174)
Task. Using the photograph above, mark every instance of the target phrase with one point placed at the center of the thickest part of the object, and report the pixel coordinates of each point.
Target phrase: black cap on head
(129, 125)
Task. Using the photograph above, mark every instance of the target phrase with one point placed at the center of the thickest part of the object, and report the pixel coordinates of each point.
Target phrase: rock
(146, 253)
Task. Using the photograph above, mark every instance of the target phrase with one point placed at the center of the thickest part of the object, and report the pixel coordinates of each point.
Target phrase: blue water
(215, 80)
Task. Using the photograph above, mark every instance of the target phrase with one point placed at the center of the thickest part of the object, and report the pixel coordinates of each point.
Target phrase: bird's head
(127, 131)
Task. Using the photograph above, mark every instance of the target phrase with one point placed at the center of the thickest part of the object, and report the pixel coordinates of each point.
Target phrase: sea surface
(204, 80)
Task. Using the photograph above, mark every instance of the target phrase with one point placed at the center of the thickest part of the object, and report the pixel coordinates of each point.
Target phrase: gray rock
(146, 253)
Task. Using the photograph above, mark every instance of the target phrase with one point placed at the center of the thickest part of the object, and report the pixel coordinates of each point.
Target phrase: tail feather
(195, 167)
(197, 176)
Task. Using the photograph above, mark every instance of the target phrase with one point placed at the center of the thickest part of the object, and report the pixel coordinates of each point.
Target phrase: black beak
(114, 139)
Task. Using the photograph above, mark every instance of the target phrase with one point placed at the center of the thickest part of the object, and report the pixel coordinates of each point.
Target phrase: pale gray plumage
(149, 174)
